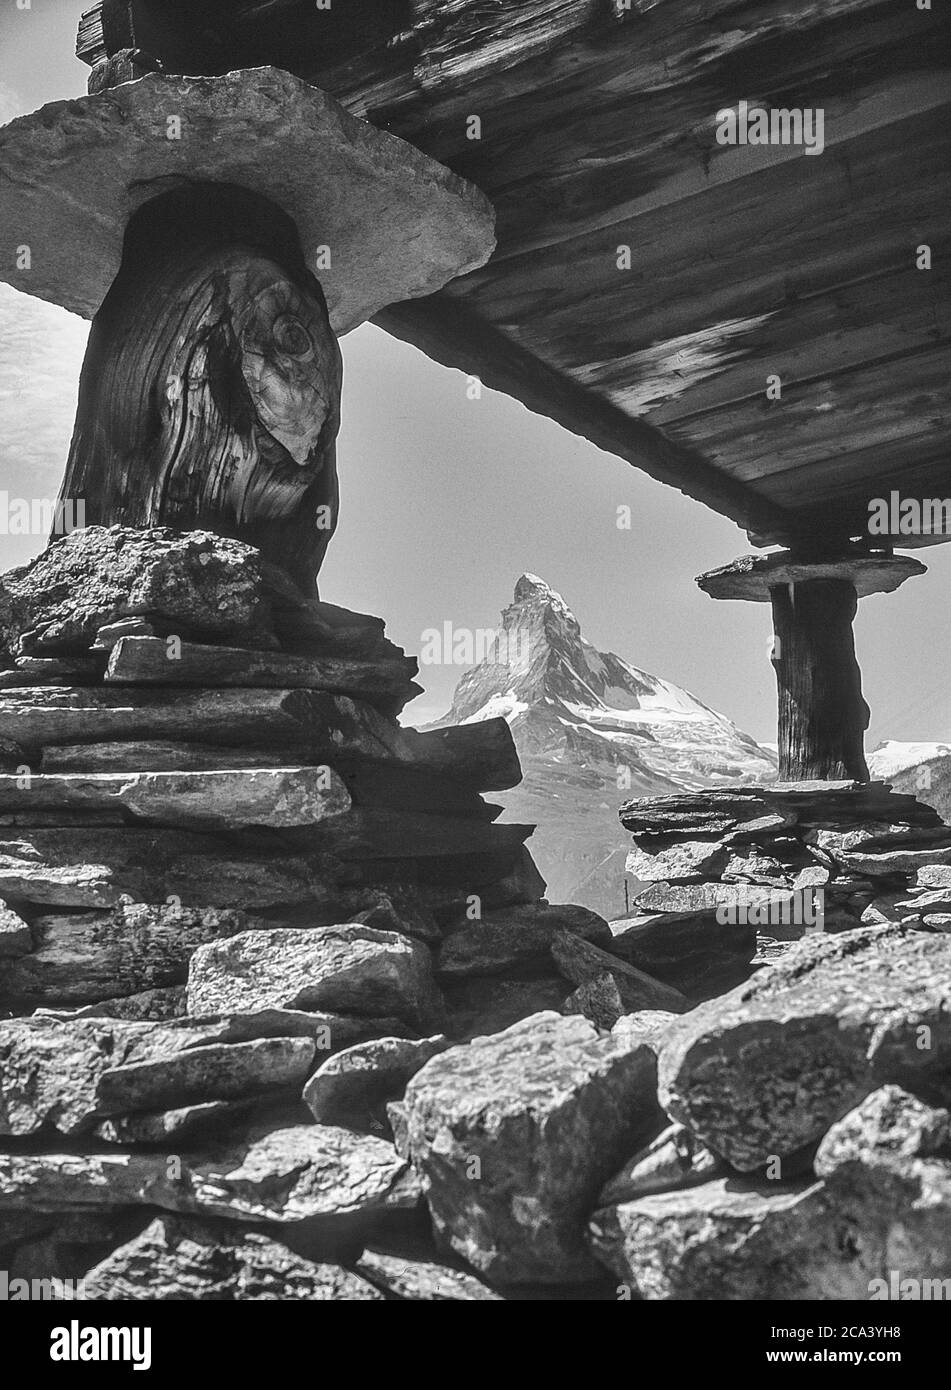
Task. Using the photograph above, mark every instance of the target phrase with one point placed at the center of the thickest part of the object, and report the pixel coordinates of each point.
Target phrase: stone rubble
(724, 873)
(284, 1012)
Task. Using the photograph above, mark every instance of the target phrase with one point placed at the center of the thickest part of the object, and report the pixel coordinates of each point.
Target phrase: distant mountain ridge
(592, 730)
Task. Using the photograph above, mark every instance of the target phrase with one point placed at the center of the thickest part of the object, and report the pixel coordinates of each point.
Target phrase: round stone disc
(379, 221)
(752, 576)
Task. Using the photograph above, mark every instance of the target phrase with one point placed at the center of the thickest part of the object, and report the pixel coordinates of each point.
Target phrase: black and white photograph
(475, 671)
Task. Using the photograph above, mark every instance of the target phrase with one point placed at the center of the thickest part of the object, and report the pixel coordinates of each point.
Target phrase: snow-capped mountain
(921, 768)
(592, 730)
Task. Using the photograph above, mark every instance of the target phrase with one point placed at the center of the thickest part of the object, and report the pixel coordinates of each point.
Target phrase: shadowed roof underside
(598, 133)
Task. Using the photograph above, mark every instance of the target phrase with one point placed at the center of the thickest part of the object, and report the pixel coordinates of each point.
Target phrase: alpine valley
(592, 731)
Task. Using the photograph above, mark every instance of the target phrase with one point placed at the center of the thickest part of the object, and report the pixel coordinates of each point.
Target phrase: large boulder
(514, 1136)
(876, 1224)
(351, 969)
(763, 1071)
(195, 583)
(733, 1240)
(179, 1258)
(889, 1161)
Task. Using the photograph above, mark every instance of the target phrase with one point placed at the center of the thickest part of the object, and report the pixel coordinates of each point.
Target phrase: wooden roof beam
(443, 328)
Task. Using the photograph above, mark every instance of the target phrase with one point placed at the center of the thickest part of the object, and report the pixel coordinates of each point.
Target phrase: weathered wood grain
(210, 392)
(822, 715)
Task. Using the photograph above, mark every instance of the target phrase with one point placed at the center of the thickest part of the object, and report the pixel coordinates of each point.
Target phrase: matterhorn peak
(537, 601)
(592, 730)
(530, 589)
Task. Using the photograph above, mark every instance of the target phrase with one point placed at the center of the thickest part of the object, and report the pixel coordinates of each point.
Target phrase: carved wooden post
(822, 714)
(210, 394)
(188, 216)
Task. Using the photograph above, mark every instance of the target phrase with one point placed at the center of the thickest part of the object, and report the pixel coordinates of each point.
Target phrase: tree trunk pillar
(822, 715)
(814, 598)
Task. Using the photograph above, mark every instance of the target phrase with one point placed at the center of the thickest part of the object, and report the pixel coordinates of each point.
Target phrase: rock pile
(810, 1155)
(720, 869)
(286, 1015)
(190, 750)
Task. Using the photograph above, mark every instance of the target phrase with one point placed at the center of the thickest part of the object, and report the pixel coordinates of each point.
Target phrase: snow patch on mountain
(891, 757)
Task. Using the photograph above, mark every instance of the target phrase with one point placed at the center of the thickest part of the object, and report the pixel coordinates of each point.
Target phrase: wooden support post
(822, 715)
(210, 393)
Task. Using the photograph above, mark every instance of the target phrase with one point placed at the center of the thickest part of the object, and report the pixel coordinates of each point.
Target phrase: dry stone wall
(285, 1013)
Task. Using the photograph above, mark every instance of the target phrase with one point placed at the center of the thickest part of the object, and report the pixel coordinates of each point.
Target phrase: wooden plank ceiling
(597, 132)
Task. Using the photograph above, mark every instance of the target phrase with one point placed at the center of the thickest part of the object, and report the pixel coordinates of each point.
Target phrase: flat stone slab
(145, 661)
(86, 868)
(752, 576)
(581, 963)
(301, 1173)
(278, 797)
(207, 1120)
(397, 224)
(51, 1070)
(183, 1260)
(219, 1071)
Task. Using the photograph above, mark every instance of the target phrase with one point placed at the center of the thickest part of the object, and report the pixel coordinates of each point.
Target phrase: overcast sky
(445, 501)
